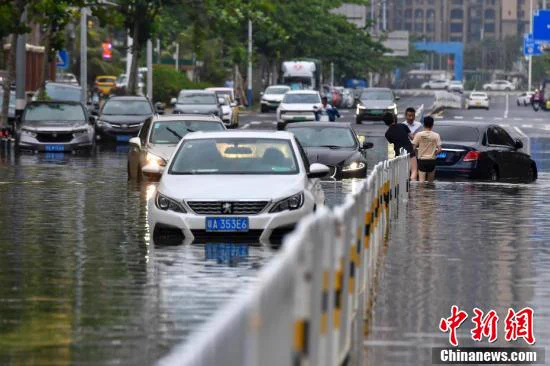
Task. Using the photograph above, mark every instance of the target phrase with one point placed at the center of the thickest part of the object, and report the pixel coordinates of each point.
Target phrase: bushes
(167, 83)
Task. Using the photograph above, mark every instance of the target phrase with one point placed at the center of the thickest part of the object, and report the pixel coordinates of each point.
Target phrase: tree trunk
(133, 79)
(46, 60)
(10, 76)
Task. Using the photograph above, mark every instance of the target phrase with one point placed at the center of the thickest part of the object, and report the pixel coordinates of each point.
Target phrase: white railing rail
(310, 302)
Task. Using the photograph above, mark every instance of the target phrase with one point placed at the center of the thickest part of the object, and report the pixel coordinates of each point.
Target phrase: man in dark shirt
(398, 134)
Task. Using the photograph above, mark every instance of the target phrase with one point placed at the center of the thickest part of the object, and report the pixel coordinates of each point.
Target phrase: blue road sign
(541, 25)
(530, 46)
(62, 59)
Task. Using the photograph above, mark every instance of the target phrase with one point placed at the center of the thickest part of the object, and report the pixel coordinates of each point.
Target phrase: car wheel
(493, 174)
(263, 109)
(508, 89)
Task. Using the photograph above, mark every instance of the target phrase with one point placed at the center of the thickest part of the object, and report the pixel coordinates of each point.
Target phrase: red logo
(452, 323)
(486, 326)
(520, 325)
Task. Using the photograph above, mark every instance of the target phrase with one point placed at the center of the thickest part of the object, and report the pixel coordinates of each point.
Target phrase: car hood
(196, 108)
(377, 104)
(273, 97)
(332, 157)
(163, 150)
(231, 187)
(54, 126)
(298, 107)
(123, 118)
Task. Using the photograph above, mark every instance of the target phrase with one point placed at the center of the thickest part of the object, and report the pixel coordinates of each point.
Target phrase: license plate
(225, 252)
(376, 112)
(54, 156)
(55, 148)
(123, 138)
(226, 224)
(442, 155)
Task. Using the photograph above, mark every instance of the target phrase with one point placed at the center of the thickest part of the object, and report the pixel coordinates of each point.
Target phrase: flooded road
(466, 244)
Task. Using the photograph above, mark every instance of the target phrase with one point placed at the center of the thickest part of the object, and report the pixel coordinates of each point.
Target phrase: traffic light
(107, 50)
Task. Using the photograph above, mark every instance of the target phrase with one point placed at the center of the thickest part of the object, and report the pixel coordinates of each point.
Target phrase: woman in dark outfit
(398, 134)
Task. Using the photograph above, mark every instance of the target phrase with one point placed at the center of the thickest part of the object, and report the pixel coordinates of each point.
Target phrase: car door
(501, 151)
(313, 185)
(519, 161)
(143, 138)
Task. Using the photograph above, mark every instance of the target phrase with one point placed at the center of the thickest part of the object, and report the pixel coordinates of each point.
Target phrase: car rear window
(457, 133)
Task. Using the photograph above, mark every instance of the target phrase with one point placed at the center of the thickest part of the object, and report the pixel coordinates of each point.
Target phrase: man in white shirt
(414, 126)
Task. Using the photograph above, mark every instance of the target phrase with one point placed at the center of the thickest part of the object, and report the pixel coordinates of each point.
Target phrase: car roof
(63, 85)
(186, 117)
(302, 92)
(127, 97)
(197, 91)
(219, 89)
(318, 124)
(281, 135)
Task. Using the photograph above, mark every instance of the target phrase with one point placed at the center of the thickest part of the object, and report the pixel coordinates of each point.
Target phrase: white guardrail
(310, 302)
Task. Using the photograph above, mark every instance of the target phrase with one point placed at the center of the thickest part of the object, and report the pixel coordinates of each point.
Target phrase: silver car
(158, 138)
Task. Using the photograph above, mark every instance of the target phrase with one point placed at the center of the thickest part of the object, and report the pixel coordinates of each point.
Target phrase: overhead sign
(541, 25)
(398, 43)
(62, 59)
(530, 46)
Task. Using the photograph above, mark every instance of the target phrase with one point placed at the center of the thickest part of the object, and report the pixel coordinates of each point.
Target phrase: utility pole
(84, 55)
(530, 80)
(384, 16)
(20, 69)
(177, 57)
(332, 74)
(249, 73)
(150, 69)
(158, 51)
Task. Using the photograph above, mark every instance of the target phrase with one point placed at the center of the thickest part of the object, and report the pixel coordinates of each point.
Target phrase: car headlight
(168, 204)
(356, 165)
(79, 133)
(101, 123)
(28, 133)
(155, 159)
(290, 203)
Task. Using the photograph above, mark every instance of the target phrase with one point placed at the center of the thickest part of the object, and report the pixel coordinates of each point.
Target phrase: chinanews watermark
(517, 326)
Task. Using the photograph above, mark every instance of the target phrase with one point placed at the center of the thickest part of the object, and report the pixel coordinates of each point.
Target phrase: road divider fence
(446, 100)
(311, 300)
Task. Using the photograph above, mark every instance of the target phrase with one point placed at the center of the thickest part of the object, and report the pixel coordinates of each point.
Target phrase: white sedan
(477, 100)
(436, 84)
(524, 98)
(247, 187)
(499, 85)
(298, 105)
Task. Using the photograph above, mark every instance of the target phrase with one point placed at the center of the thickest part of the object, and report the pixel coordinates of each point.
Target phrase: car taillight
(471, 156)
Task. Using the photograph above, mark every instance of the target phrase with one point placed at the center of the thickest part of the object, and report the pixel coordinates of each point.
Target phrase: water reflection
(470, 244)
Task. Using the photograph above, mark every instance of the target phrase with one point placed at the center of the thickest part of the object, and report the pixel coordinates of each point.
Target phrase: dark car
(373, 103)
(335, 145)
(121, 118)
(55, 126)
(197, 102)
(482, 151)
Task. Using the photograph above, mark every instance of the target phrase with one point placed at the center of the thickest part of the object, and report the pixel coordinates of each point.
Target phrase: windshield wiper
(174, 133)
(331, 146)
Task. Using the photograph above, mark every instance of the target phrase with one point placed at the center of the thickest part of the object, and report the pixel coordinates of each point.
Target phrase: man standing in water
(398, 135)
(428, 144)
(414, 126)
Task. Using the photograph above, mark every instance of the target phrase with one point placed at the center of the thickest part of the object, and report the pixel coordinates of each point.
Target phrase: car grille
(237, 207)
(249, 237)
(123, 126)
(54, 137)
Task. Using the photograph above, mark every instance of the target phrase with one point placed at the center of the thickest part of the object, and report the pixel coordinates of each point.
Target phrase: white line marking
(498, 118)
(527, 126)
(504, 125)
(507, 105)
(459, 117)
(439, 117)
(517, 119)
(478, 118)
(538, 119)
(246, 126)
(256, 123)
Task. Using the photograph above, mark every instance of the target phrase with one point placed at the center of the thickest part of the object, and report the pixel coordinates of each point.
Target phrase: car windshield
(171, 132)
(127, 107)
(302, 98)
(276, 90)
(37, 112)
(456, 82)
(105, 80)
(243, 156)
(197, 98)
(64, 93)
(457, 133)
(377, 95)
(324, 136)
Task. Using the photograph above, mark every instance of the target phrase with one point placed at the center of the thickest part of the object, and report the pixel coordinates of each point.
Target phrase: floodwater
(484, 245)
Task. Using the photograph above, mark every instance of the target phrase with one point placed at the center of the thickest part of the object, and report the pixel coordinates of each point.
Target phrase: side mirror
(518, 144)
(317, 170)
(173, 101)
(135, 141)
(367, 145)
(397, 97)
(281, 126)
(152, 170)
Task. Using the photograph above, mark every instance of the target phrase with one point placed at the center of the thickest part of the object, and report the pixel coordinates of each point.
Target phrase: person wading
(414, 126)
(398, 134)
(428, 144)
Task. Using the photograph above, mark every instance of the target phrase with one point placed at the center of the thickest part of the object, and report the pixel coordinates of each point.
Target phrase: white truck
(301, 75)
